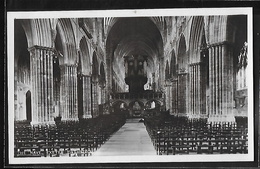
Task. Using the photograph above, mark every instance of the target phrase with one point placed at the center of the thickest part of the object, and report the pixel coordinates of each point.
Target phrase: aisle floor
(130, 139)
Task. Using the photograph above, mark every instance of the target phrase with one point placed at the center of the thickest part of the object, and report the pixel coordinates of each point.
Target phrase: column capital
(30, 49)
(68, 65)
(220, 44)
(197, 63)
(88, 76)
(182, 73)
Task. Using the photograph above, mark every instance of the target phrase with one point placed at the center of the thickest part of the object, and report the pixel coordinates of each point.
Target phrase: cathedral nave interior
(79, 80)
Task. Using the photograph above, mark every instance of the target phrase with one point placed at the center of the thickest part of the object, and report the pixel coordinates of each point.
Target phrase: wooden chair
(180, 147)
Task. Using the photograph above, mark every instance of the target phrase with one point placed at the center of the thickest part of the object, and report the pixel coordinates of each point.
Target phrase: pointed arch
(85, 57)
(21, 53)
(28, 106)
(197, 30)
(59, 47)
(157, 104)
(95, 65)
(41, 32)
(67, 40)
(173, 65)
(118, 103)
(102, 72)
(167, 71)
(182, 58)
(28, 30)
(137, 104)
(217, 29)
(139, 35)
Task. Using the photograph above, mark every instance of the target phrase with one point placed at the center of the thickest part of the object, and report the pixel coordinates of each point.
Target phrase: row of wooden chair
(196, 136)
(66, 138)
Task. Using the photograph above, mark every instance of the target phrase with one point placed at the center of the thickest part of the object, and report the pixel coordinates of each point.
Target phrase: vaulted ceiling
(135, 36)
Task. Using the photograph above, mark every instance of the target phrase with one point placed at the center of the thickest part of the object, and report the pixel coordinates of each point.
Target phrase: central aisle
(130, 139)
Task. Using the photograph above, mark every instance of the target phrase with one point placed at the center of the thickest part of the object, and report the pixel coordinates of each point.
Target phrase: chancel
(161, 85)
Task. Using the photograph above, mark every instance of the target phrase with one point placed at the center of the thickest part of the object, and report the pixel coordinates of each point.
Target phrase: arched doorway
(28, 106)
(152, 107)
(120, 107)
(136, 109)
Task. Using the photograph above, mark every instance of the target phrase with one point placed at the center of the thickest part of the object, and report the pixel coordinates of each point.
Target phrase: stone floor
(130, 139)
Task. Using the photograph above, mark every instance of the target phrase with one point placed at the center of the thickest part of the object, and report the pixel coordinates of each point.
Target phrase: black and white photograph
(127, 86)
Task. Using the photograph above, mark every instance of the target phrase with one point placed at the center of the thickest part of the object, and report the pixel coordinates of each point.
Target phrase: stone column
(182, 93)
(170, 97)
(41, 70)
(198, 94)
(102, 94)
(195, 86)
(86, 96)
(198, 90)
(202, 89)
(161, 73)
(175, 96)
(109, 71)
(99, 94)
(191, 98)
(68, 92)
(94, 99)
(217, 62)
(102, 97)
(213, 64)
(168, 94)
(221, 83)
(227, 81)
(56, 98)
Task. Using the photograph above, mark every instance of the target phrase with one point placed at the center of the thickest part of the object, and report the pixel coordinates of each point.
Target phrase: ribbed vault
(134, 36)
